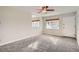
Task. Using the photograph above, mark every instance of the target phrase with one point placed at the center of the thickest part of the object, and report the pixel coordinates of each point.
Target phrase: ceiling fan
(44, 9)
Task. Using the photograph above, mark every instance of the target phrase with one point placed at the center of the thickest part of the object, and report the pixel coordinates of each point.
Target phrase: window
(35, 24)
(52, 24)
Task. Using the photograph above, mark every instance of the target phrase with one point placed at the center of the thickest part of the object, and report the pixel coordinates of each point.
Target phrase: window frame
(38, 24)
(52, 22)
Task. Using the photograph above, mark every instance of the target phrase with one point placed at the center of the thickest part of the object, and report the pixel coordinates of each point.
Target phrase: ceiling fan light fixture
(44, 9)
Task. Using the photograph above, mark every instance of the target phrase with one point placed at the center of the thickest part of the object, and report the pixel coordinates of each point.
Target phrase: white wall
(69, 25)
(15, 24)
(77, 26)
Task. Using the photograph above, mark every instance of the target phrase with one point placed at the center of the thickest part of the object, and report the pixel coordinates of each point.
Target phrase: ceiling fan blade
(44, 9)
(50, 10)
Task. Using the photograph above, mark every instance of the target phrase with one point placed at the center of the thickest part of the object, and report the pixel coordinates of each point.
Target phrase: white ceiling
(58, 9)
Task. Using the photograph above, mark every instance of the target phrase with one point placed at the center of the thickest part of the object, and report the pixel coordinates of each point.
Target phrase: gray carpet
(42, 43)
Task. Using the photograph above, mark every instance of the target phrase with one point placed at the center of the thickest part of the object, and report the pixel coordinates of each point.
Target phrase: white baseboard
(4, 43)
